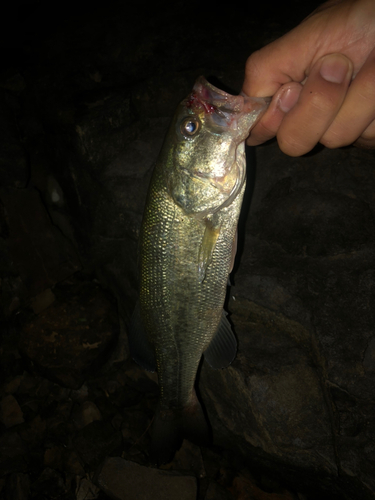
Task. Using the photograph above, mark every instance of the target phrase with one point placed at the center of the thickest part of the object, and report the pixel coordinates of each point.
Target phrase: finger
(282, 102)
(367, 139)
(268, 69)
(357, 113)
(319, 102)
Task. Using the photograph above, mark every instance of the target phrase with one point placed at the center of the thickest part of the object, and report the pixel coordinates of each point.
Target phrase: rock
(188, 458)
(217, 492)
(10, 411)
(96, 441)
(300, 310)
(33, 431)
(245, 488)
(50, 484)
(14, 165)
(17, 487)
(42, 300)
(53, 457)
(86, 490)
(13, 453)
(66, 342)
(42, 256)
(124, 480)
(12, 386)
(86, 413)
(73, 464)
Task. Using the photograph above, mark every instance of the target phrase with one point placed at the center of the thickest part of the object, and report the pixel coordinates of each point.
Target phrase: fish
(187, 247)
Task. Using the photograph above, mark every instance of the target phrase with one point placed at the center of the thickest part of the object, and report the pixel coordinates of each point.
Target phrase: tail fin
(171, 426)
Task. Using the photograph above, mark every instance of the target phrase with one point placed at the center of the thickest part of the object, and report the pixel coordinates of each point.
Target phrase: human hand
(322, 79)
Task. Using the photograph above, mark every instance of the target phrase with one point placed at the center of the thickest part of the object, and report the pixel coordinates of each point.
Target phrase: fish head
(206, 167)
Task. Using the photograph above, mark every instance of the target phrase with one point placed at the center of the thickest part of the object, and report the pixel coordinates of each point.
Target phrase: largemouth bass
(187, 249)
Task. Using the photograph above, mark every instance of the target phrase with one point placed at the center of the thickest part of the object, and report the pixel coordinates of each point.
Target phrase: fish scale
(187, 247)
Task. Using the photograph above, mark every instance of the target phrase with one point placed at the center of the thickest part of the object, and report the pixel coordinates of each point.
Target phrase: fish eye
(190, 126)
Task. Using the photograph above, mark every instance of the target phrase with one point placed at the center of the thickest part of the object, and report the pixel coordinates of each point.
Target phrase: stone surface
(302, 311)
(42, 256)
(86, 413)
(18, 487)
(65, 343)
(10, 411)
(217, 492)
(96, 441)
(124, 480)
(14, 164)
(13, 454)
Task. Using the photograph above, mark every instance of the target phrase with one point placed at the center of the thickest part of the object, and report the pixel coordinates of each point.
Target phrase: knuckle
(253, 63)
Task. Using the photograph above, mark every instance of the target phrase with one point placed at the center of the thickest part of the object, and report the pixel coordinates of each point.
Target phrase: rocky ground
(86, 94)
(75, 417)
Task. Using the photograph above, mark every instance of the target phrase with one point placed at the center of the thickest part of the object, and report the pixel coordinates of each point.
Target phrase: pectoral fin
(211, 234)
(223, 347)
(140, 348)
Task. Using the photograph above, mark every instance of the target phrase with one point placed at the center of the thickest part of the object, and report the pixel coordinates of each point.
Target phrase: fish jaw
(207, 166)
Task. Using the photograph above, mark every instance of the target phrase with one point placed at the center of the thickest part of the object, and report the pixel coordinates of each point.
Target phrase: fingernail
(334, 68)
(288, 99)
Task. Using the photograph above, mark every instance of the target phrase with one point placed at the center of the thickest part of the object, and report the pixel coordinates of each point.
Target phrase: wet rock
(10, 411)
(65, 343)
(124, 480)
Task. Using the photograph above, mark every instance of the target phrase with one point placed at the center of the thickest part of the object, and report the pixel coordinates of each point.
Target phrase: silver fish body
(187, 249)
